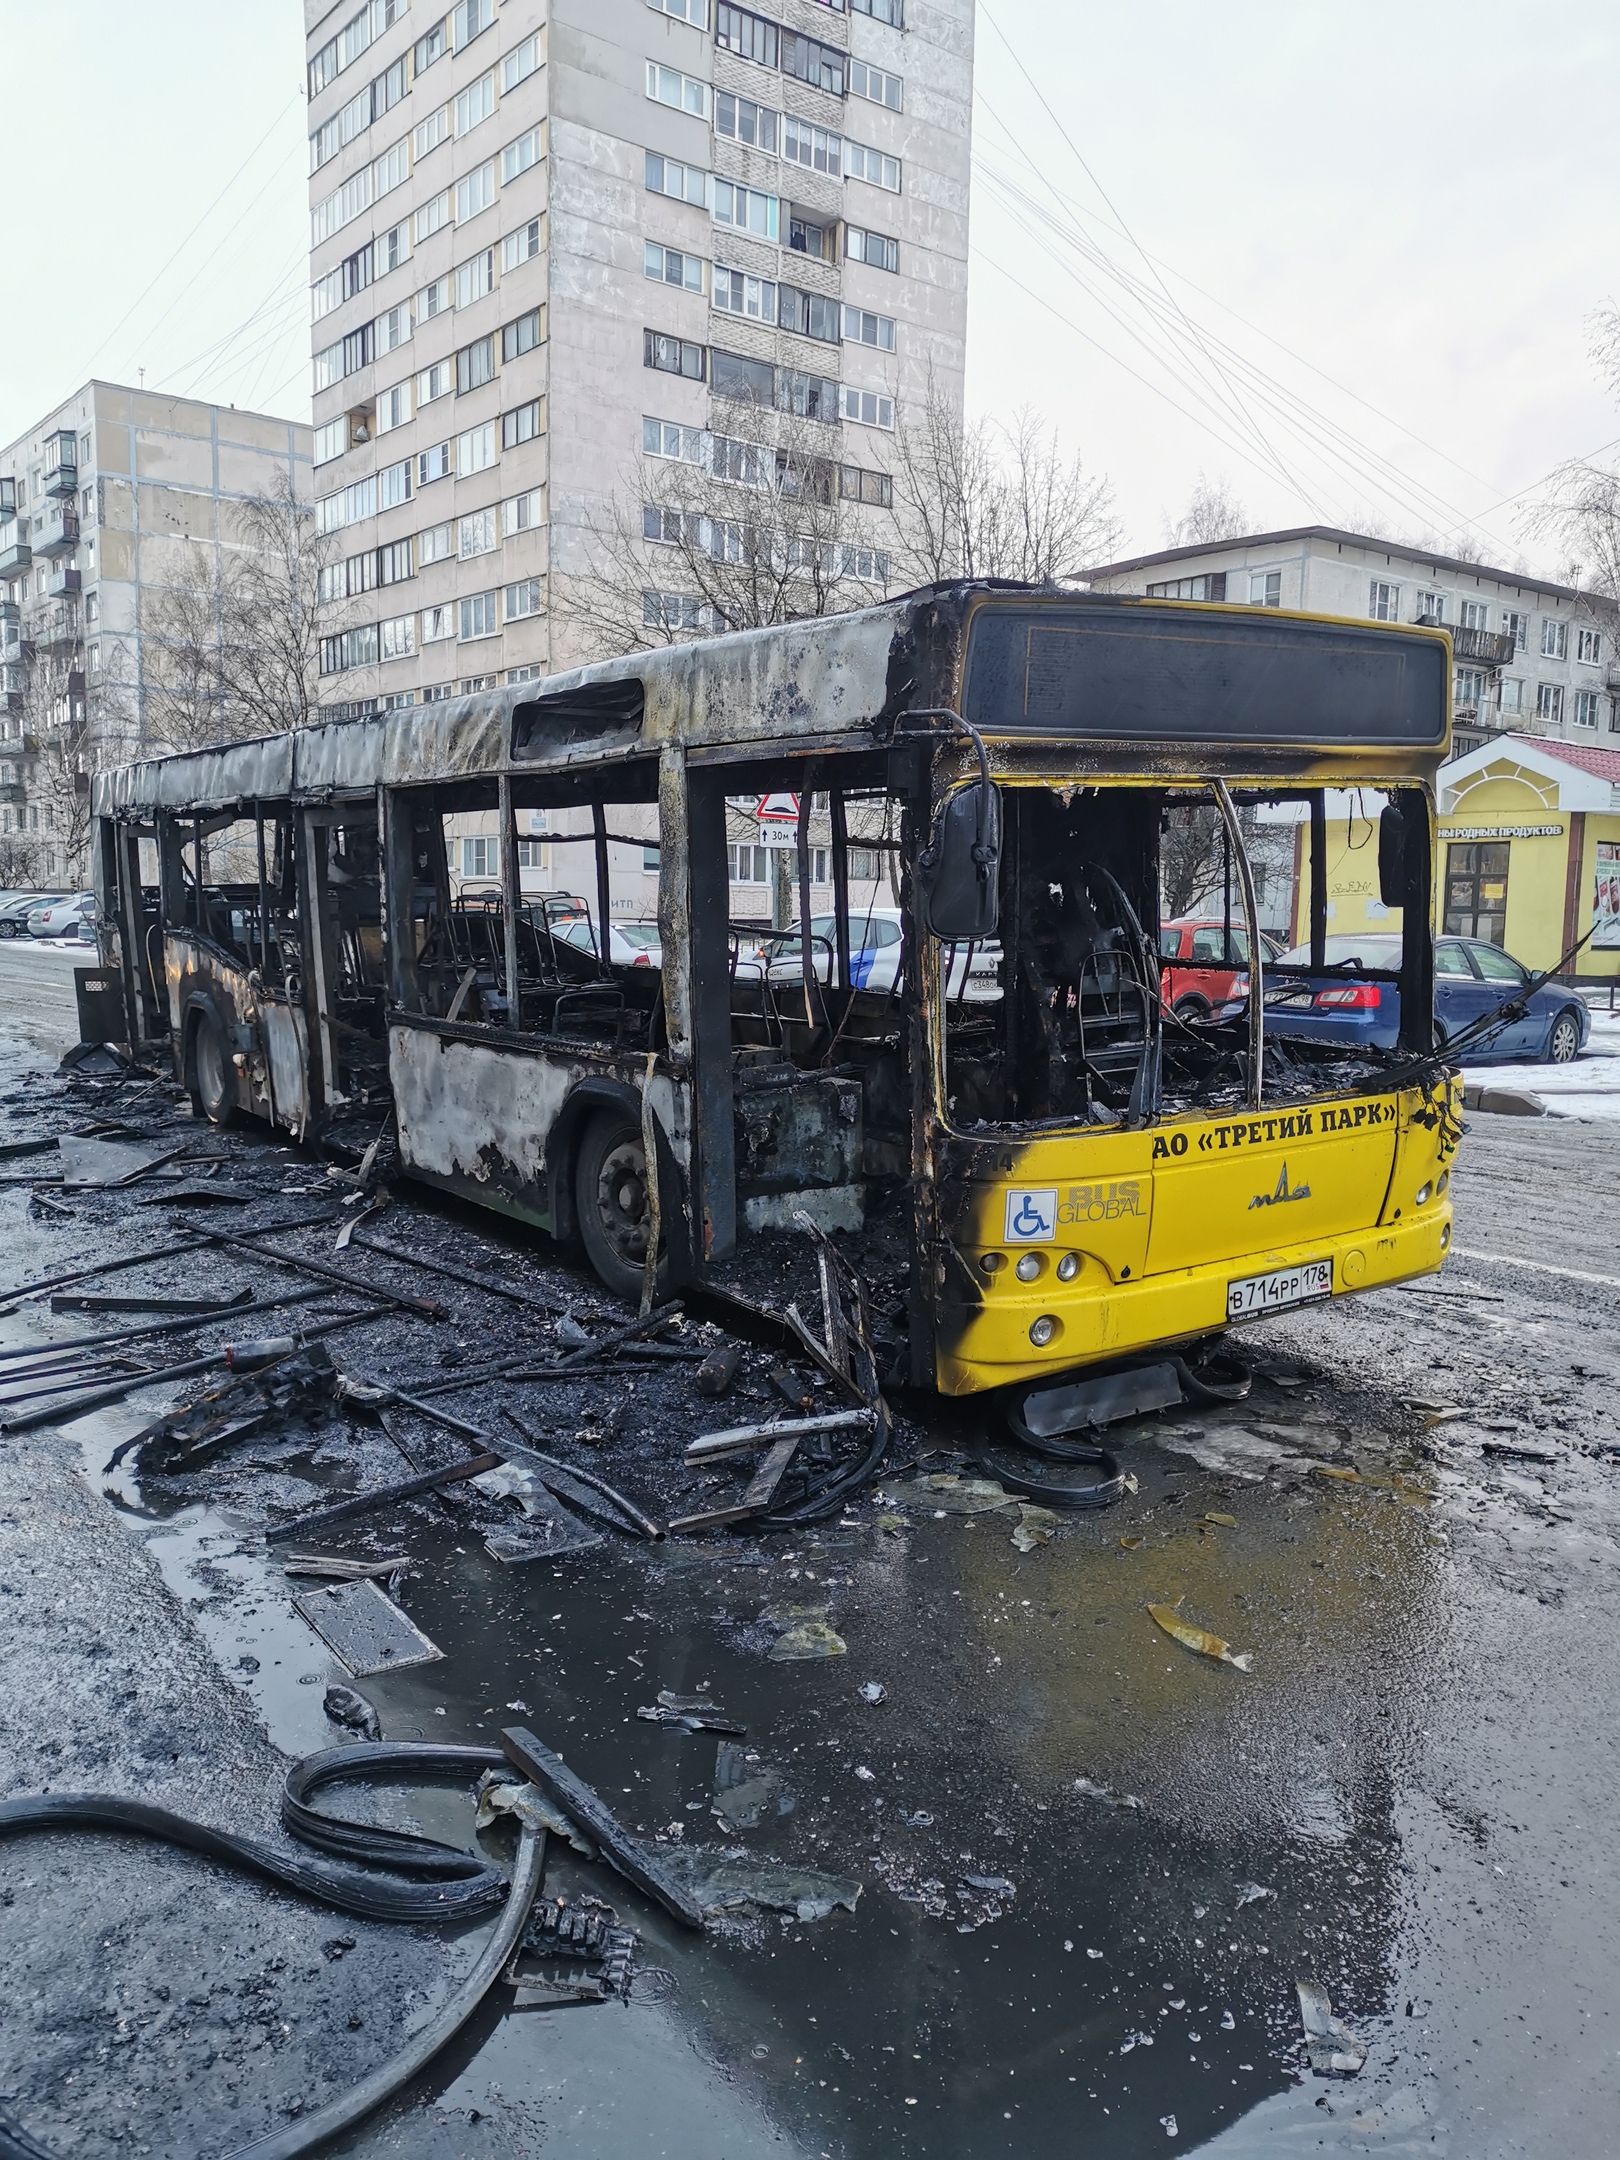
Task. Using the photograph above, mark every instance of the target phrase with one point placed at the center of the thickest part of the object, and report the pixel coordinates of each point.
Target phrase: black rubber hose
(375, 1844)
(1024, 1478)
(1201, 1389)
(388, 2078)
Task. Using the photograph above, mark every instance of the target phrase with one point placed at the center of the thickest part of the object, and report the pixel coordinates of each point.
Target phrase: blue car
(1356, 1002)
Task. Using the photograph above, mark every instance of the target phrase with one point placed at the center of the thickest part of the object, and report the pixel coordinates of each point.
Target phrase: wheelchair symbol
(1031, 1218)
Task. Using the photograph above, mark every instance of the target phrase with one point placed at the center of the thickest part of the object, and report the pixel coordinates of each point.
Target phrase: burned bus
(1072, 1171)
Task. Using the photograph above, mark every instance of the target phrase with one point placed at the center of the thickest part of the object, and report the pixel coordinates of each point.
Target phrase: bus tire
(610, 1201)
(214, 1078)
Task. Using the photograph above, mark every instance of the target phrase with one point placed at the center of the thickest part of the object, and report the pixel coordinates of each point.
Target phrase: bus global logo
(1281, 1194)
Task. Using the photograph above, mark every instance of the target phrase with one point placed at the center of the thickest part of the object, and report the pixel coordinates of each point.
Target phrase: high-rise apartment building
(558, 241)
(115, 495)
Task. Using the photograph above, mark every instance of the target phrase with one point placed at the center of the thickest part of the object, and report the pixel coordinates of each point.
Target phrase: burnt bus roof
(1167, 685)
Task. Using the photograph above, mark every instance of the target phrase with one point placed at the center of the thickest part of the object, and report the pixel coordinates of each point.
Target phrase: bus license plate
(1257, 1294)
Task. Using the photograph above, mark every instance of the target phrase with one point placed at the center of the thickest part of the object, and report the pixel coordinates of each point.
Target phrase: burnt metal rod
(474, 1281)
(196, 1236)
(356, 1285)
(1251, 917)
(383, 1496)
(532, 1457)
(187, 1324)
(99, 1398)
(649, 1325)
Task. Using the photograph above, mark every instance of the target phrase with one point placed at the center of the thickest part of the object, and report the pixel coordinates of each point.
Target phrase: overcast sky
(1340, 257)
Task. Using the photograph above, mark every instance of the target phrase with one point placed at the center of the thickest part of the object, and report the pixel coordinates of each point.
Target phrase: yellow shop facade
(1528, 855)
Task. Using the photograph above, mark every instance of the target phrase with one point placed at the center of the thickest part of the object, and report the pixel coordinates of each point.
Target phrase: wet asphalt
(1409, 1799)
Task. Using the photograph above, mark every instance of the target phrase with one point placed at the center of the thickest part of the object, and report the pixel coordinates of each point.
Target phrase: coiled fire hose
(448, 1884)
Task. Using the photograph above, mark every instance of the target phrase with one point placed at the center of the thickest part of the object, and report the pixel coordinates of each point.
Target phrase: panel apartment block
(518, 213)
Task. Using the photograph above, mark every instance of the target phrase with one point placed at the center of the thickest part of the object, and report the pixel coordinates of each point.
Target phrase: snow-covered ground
(1590, 1088)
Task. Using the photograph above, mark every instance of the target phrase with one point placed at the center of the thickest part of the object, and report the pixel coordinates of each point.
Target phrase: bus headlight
(992, 1263)
(1423, 1192)
(1042, 1331)
(1441, 1182)
(1029, 1266)
(1068, 1267)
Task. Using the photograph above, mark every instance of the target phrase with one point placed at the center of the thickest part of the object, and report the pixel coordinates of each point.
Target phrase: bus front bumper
(988, 1344)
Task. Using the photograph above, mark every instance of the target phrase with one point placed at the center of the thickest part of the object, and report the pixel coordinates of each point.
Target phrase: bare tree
(980, 499)
(1191, 855)
(1580, 508)
(727, 531)
(233, 641)
(61, 749)
(1213, 513)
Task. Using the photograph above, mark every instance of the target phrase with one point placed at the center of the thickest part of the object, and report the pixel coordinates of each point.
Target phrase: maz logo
(1282, 1193)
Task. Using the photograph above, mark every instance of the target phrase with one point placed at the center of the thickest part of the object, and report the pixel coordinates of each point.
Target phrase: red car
(1202, 962)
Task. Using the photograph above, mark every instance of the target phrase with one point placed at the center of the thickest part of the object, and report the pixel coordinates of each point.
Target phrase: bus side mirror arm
(959, 871)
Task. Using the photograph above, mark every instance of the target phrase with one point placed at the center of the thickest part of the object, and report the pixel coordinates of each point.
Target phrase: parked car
(632, 944)
(62, 917)
(1354, 1001)
(876, 945)
(14, 914)
(1202, 960)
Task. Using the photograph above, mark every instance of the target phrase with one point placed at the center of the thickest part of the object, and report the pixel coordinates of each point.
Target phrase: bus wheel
(610, 1197)
(216, 1081)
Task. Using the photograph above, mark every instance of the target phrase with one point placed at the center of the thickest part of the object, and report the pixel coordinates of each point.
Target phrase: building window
(1431, 607)
(813, 147)
(475, 277)
(741, 120)
(523, 335)
(1589, 647)
(394, 485)
(520, 63)
(475, 365)
(746, 865)
(480, 856)
(523, 513)
(393, 408)
(811, 397)
(873, 83)
(876, 250)
(522, 424)
(434, 382)
(1517, 627)
(865, 865)
(433, 544)
(350, 649)
(472, 18)
(870, 565)
(432, 216)
(521, 246)
(668, 86)
(677, 611)
(476, 192)
(396, 638)
(331, 441)
(1384, 601)
(886, 11)
(475, 103)
(1586, 708)
(856, 484)
(1550, 703)
(1476, 889)
(433, 464)
(435, 299)
(749, 36)
(475, 451)
(521, 600)
(752, 381)
(874, 166)
(686, 183)
(1554, 638)
(532, 854)
(1468, 690)
(394, 562)
(674, 356)
(862, 327)
(1211, 585)
(695, 12)
(1512, 694)
(393, 329)
(1474, 615)
(429, 133)
(670, 267)
(871, 408)
(810, 314)
(475, 534)
(808, 60)
(667, 528)
(1265, 589)
(735, 293)
(477, 612)
(746, 209)
(518, 156)
(438, 623)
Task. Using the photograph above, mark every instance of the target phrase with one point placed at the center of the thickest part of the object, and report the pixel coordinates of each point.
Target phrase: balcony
(8, 496)
(64, 582)
(62, 463)
(56, 530)
(1480, 649)
(15, 560)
